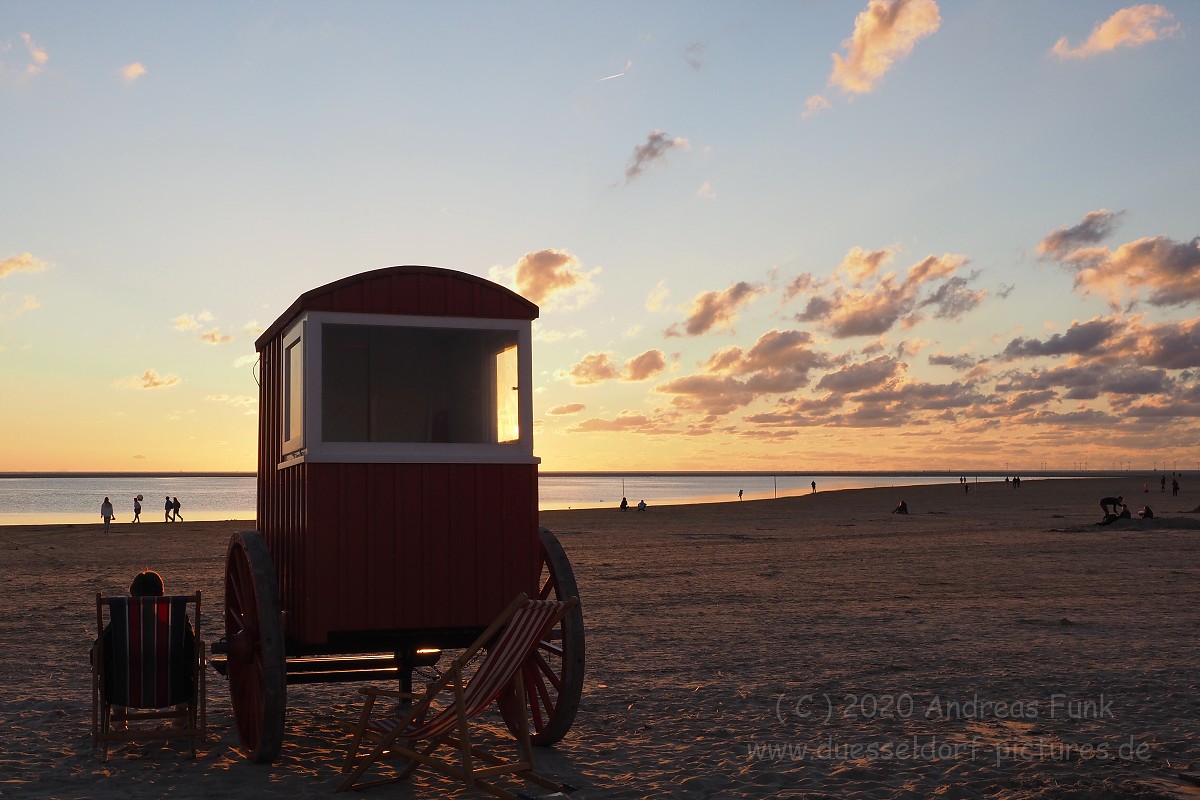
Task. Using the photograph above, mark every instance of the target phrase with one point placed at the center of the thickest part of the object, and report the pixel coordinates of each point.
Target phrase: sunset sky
(811, 236)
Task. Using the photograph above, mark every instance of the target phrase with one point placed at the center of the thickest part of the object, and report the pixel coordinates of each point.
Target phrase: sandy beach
(992, 643)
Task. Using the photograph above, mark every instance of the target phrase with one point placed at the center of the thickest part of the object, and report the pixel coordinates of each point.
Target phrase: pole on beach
(775, 481)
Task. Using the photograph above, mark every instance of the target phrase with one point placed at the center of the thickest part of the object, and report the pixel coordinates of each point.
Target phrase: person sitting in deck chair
(145, 584)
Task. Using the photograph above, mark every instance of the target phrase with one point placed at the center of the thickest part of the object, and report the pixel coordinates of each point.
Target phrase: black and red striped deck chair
(446, 713)
(148, 671)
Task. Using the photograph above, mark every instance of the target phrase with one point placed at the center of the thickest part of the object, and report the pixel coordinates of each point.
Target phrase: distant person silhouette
(740, 494)
(624, 503)
(168, 508)
(1162, 482)
(1146, 513)
(175, 515)
(1174, 488)
(641, 505)
(814, 485)
(106, 513)
(1114, 502)
(137, 508)
(901, 509)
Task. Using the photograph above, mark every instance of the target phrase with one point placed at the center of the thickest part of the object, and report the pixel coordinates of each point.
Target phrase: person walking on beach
(1174, 487)
(814, 485)
(740, 493)
(106, 513)
(168, 508)
(137, 508)
(175, 515)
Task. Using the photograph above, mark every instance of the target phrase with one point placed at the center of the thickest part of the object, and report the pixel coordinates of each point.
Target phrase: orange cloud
(569, 408)
(24, 262)
(215, 336)
(190, 322)
(594, 368)
(625, 421)
(131, 72)
(27, 303)
(861, 310)
(1094, 228)
(38, 57)
(647, 365)
(243, 401)
(715, 309)
(598, 367)
(150, 379)
(1168, 269)
(814, 105)
(884, 33)
(859, 264)
(1129, 27)
(551, 276)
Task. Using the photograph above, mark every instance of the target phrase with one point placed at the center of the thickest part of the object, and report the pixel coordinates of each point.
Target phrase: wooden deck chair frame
(398, 739)
(153, 713)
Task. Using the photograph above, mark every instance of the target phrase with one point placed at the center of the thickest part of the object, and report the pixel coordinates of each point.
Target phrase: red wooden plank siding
(465, 532)
(437, 570)
(348, 298)
(461, 298)
(412, 548)
(490, 581)
(377, 295)
(406, 294)
(353, 533)
(433, 294)
(381, 594)
(320, 543)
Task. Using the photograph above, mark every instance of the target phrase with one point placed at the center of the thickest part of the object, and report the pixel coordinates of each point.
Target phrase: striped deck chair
(147, 671)
(444, 714)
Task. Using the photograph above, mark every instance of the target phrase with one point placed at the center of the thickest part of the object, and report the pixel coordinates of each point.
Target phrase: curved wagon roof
(411, 289)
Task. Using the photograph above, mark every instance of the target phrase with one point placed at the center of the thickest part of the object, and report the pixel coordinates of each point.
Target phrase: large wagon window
(387, 383)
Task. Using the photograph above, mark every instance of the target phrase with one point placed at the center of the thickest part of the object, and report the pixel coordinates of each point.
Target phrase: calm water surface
(74, 500)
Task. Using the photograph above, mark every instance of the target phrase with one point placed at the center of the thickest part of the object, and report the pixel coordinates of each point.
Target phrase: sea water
(76, 499)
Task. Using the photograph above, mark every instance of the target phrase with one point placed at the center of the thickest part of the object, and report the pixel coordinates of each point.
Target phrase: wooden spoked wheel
(554, 673)
(254, 632)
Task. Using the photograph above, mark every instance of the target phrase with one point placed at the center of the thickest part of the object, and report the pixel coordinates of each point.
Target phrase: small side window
(293, 391)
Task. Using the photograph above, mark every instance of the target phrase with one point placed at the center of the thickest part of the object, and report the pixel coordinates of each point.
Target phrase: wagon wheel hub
(241, 647)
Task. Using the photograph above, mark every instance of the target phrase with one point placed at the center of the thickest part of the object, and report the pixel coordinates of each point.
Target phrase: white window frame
(310, 445)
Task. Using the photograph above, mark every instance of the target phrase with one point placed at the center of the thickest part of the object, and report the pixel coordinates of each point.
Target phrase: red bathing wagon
(397, 497)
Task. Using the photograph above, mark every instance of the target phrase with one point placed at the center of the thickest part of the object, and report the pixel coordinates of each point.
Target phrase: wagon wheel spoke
(548, 672)
(549, 647)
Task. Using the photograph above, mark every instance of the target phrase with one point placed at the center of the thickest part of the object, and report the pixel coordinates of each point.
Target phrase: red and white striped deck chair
(147, 667)
(444, 714)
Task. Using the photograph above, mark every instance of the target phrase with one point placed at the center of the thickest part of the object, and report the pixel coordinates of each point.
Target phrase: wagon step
(331, 669)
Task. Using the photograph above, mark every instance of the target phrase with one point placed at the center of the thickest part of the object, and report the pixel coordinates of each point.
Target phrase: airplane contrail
(610, 77)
